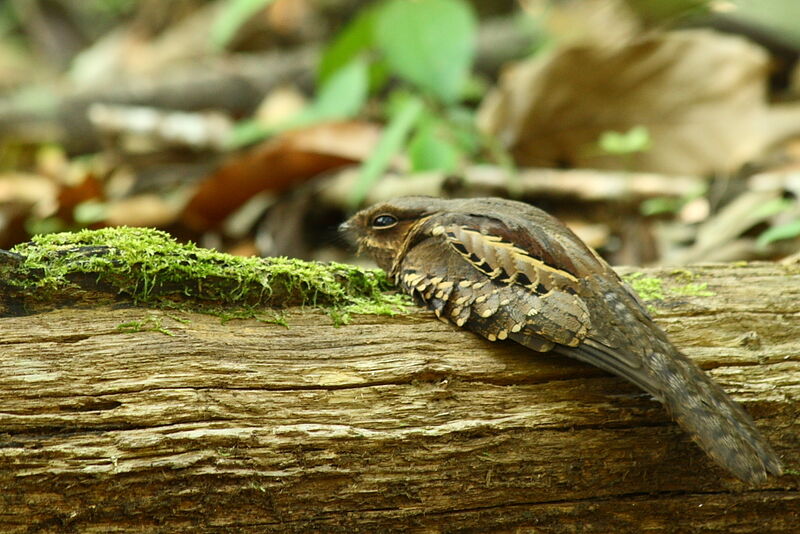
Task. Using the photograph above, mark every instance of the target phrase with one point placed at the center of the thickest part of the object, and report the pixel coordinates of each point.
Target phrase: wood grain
(389, 424)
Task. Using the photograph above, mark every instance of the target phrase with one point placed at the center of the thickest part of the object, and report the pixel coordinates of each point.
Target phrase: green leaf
(90, 212)
(48, 225)
(430, 151)
(232, 16)
(429, 43)
(773, 207)
(637, 139)
(344, 93)
(246, 132)
(353, 40)
(659, 205)
(394, 136)
(776, 233)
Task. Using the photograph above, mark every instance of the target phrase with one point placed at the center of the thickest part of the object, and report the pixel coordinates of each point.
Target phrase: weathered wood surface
(397, 424)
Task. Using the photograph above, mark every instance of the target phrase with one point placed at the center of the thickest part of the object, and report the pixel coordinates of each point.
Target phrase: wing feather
(502, 290)
(492, 287)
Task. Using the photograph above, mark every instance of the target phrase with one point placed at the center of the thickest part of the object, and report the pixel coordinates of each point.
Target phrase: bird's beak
(348, 232)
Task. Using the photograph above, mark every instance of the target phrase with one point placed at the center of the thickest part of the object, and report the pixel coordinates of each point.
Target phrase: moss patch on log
(150, 267)
(652, 289)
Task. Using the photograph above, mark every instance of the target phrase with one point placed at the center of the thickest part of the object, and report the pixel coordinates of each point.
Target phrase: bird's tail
(716, 422)
(625, 341)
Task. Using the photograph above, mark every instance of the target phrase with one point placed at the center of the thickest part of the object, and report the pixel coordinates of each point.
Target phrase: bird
(507, 270)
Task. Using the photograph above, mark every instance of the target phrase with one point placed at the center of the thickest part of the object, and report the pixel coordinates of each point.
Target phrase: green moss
(340, 317)
(252, 313)
(151, 324)
(646, 287)
(131, 327)
(683, 275)
(693, 290)
(181, 320)
(150, 267)
(689, 287)
(654, 289)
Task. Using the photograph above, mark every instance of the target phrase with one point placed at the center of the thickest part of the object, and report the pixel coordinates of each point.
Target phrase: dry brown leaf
(23, 196)
(29, 189)
(142, 210)
(700, 94)
(89, 188)
(607, 23)
(244, 248)
(280, 105)
(277, 166)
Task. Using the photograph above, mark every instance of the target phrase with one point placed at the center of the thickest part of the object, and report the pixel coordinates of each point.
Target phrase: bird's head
(386, 230)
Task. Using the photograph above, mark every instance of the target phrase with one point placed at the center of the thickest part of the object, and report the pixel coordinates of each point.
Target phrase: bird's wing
(485, 280)
(489, 285)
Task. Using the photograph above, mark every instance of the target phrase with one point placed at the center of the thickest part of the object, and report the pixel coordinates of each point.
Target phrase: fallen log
(144, 419)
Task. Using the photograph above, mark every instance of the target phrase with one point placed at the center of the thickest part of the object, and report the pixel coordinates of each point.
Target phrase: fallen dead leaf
(22, 197)
(280, 105)
(69, 196)
(142, 210)
(700, 95)
(29, 189)
(277, 166)
(607, 23)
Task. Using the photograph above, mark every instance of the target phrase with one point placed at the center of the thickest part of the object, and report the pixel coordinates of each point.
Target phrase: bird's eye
(384, 221)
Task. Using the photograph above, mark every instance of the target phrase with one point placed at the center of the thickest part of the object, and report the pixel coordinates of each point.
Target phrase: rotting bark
(178, 423)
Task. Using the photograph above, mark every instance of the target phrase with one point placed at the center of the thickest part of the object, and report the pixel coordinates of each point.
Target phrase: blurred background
(661, 131)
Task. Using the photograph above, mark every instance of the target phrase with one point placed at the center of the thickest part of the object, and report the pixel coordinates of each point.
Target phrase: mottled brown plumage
(507, 270)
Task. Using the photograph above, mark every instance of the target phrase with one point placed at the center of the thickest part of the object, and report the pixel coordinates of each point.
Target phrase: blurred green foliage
(232, 16)
(780, 231)
(416, 58)
(342, 96)
(410, 63)
(782, 16)
(404, 114)
(788, 230)
(429, 44)
(637, 139)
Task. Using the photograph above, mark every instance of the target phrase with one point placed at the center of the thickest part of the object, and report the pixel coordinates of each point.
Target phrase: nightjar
(507, 270)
